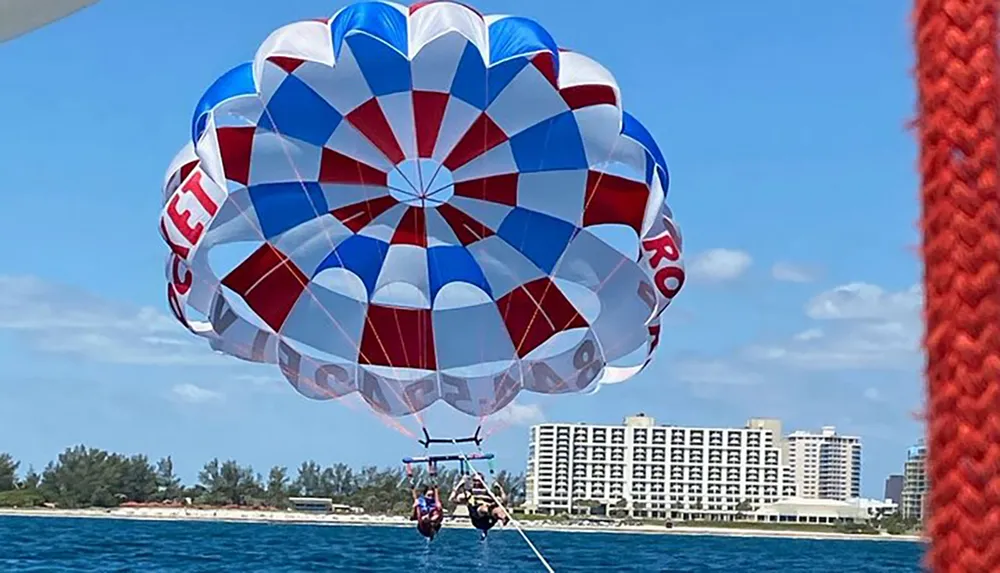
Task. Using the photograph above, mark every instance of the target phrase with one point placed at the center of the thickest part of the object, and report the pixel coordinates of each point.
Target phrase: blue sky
(792, 176)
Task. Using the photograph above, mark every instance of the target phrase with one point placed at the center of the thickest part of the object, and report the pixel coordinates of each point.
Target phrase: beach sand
(292, 517)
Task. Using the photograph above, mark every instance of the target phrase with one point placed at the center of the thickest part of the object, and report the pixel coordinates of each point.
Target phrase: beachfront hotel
(915, 484)
(651, 471)
(826, 465)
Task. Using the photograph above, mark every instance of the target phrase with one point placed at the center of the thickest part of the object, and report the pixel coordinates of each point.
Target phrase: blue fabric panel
(541, 238)
(469, 84)
(551, 145)
(515, 36)
(386, 70)
(450, 264)
(500, 75)
(377, 19)
(296, 111)
(363, 256)
(283, 206)
(234, 83)
(633, 129)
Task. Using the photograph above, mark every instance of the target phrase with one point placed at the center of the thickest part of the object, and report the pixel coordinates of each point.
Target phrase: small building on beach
(821, 511)
(321, 505)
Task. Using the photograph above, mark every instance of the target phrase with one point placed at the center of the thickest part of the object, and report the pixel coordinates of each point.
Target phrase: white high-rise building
(656, 471)
(826, 465)
(915, 483)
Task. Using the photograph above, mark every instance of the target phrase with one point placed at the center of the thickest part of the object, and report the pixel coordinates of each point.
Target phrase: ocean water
(64, 544)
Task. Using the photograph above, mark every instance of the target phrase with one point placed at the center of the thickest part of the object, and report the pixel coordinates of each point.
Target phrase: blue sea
(66, 544)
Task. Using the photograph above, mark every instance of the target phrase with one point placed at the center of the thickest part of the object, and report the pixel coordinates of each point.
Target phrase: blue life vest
(425, 504)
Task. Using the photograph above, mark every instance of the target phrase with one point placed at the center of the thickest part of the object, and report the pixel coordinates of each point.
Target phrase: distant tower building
(825, 465)
(894, 489)
(915, 483)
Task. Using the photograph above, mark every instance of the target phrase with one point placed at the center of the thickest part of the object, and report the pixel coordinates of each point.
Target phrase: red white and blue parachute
(435, 205)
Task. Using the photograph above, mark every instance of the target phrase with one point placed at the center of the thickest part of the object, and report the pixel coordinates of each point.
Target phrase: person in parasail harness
(427, 510)
(484, 509)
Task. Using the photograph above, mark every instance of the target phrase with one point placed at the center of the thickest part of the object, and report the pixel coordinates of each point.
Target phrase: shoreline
(298, 518)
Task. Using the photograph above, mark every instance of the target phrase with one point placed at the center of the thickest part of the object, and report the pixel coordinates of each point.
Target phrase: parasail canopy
(422, 204)
(19, 17)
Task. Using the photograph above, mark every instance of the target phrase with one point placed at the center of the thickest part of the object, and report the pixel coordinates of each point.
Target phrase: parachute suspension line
(514, 522)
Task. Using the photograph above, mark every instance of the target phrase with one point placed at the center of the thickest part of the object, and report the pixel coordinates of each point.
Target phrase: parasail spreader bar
(428, 440)
(447, 458)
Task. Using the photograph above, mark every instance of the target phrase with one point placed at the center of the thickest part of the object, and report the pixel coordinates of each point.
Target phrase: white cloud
(868, 328)
(61, 319)
(857, 327)
(719, 265)
(195, 394)
(810, 334)
(792, 273)
(872, 394)
(515, 414)
(714, 372)
(865, 301)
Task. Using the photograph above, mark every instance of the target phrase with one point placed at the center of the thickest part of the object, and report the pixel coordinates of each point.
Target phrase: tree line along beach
(93, 483)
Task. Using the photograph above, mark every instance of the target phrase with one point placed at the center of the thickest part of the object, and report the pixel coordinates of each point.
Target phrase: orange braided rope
(957, 70)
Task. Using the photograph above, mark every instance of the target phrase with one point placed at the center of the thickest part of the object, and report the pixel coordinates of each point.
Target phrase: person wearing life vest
(427, 510)
(484, 509)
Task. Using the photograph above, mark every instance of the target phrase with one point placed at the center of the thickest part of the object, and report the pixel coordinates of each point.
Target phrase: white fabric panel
(207, 149)
(184, 289)
(405, 264)
(308, 244)
(505, 268)
(497, 161)
(619, 374)
(662, 261)
(244, 111)
(316, 379)
(235, 221)
(327, 321)
(275, 158)
(433, 68)
(573, 370)
(398, 111)
(347, 140)
(560, 194)
(621, 324)
(187, 203)
(654, 205)
(439, 232)
(486, 212)
(481, 395)
(237, 336)
(384, 226)
(339, 195)
(343, 86)
(464, 395)
(458, 117)
(629, 154)
(576, 69)
(435, 20)
(309, 40)
(270, 77)
(456, 345)
(388, 391)
(172, 178)
(527, 100)
(600, 131)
